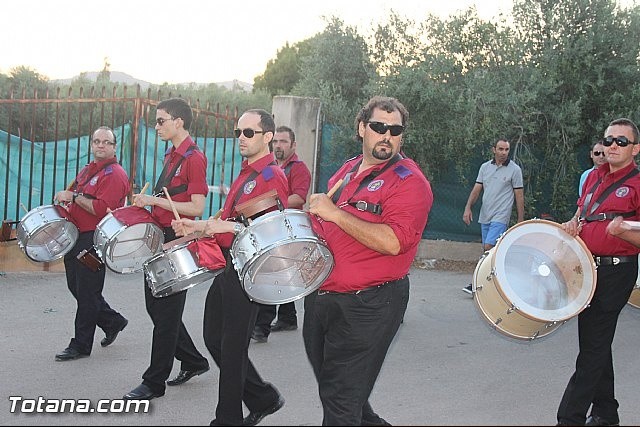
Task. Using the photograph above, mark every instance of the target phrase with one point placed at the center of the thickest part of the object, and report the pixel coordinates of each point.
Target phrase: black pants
(592, 383)
(86, 287)
(267, 313)
(346, 337)
(229, 318)
(170, 336)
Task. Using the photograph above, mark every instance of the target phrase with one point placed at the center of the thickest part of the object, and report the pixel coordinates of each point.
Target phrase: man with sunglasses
(500, 181)
(611, 193)
(372, 224)
(229, 315)
(100, 186)
(299, 179)
(598, 159)
(184, 175)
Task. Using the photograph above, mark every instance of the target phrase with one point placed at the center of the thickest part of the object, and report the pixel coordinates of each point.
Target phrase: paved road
(446, 366)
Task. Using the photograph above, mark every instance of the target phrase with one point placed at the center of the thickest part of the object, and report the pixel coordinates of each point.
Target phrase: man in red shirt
(229, 315)
(299, 179)
(610, 194)
(184, 175)
(100, 186)
(372, 225)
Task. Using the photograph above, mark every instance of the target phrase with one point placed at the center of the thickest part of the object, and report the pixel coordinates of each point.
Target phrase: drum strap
(250, 178)
(166, 175)
(362, 205)
(287, 169)
(591, 207)
(75, 184)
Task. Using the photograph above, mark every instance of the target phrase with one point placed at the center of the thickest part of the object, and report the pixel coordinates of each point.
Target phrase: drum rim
(22, 233)
(508, 297)
(171, 282)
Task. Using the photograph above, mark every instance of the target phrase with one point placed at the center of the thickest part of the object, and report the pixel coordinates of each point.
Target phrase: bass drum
(46, 233)
(535, 279)
(279, 258)
(634, 299)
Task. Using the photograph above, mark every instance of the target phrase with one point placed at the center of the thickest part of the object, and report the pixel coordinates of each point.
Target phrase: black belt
(614, 260)
(370, 288)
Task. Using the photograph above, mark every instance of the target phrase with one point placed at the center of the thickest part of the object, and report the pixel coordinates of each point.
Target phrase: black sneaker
(468, 289)
(282, 326)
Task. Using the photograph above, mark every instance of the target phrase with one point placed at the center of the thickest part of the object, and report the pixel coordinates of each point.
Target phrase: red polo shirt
(192, 172)
(269, 176)
(299, 176)
(107, 184)
(405, 197)
(624, 199)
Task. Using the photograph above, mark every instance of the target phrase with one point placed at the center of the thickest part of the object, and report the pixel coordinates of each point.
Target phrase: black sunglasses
(248, 133)
(620, 140)
(382, 128)
(598, 153)
(160, 121)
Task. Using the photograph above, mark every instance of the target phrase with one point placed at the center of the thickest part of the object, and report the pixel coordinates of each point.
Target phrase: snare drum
(127, 237)
(534, 280)
(46, 233)
(279, 258)
(176, 269)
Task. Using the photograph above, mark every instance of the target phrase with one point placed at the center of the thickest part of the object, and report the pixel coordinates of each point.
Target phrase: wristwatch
(238, 227)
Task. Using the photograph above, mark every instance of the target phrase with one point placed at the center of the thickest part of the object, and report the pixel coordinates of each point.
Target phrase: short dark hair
(384, 103)
(177, 108)
(115, 140)
(266, 119)
(626, 122)
(287, 129)
(494, 144)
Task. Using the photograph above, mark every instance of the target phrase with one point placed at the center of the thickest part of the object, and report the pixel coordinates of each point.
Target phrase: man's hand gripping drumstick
(321, 204)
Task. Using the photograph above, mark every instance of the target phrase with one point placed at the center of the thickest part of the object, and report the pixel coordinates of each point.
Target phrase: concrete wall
(302, 115)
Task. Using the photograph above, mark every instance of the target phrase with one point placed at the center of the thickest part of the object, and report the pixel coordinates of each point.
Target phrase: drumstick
(173, 207)
(144, 188)
(335, 188)
(24, 207)
(218, 214)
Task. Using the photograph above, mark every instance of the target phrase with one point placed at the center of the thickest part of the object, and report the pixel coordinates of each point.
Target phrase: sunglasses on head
(598, 153)
(620, 140)
(382, 128)
(248, 133)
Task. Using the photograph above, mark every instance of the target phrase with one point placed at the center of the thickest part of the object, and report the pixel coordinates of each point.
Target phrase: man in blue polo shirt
(501, 181)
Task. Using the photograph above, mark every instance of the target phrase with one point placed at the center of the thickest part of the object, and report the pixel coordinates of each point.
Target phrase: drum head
(543, 271)
(127, 251)
(287, 272)
(45, 235)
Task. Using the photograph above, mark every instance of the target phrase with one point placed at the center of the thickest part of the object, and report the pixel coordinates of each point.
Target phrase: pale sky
(186, 40)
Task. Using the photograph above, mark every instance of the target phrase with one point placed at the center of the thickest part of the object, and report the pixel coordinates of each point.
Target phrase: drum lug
(491, 274)
(535, 335)
(254, 241)
(498, 321)
(512, 309)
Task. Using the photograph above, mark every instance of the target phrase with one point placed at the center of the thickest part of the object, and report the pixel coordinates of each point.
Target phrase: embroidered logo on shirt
(375, 185)
(249, 186)
(622, 191)
(94, 180)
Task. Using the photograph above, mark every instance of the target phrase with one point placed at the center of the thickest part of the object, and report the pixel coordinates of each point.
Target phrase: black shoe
(283, 326)
(594, 420)
(111, 337)
(258, 336)
(184, 376)
(142, 392)
(69, 354)
(255, 417)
